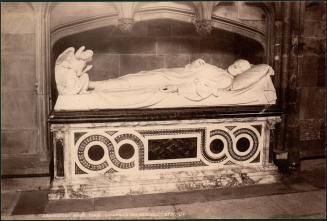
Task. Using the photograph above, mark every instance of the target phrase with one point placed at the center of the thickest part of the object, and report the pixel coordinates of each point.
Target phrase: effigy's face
(234, 69)
(238, 67)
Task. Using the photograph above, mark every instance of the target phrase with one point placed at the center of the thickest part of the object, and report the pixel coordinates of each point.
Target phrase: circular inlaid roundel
(220, 140)
(243, 144)
(216, 146)
(126, 151)
(95, 153)
(246, 145)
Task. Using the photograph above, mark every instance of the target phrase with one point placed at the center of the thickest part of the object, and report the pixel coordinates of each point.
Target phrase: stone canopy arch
(180, 12)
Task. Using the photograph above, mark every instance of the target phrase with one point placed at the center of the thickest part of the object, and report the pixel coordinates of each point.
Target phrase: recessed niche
(161, 43)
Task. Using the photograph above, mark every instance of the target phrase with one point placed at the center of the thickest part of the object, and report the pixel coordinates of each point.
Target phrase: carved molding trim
(81, 26)
(273, 12)
(241, 29)
(272, 121)
(202, 13)
(126, 9)
(59, 134)
(145, 15)
(40, 16)
(203, 10)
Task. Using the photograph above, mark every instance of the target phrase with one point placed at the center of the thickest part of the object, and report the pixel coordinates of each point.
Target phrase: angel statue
(71, 71)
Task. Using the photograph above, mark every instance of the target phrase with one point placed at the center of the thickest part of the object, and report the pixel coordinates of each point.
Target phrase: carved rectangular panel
(59, 157)
(177, 148)
(129, 147)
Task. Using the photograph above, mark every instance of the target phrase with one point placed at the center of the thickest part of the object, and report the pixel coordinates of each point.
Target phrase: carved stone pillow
(250, 77)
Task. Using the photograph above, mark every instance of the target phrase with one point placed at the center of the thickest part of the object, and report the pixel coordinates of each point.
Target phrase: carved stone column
(41, 77)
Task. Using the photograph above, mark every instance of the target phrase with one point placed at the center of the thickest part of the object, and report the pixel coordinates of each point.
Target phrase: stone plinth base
(122, 158)
(153, 182)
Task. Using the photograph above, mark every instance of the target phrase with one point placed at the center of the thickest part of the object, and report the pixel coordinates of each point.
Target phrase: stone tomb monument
(162, 130)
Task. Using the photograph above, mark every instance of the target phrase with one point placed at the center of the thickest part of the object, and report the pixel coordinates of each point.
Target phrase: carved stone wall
(305, 100)
(22, 151)
(311, 82)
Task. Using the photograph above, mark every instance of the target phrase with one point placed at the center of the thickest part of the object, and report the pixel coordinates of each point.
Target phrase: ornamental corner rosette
(203, 26)
(125, 25)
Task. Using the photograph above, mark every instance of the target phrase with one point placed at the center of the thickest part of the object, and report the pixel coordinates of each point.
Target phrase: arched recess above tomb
(253, 22)
(250, 20)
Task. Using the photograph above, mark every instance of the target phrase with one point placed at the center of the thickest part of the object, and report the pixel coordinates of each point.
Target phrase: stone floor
(299, 195)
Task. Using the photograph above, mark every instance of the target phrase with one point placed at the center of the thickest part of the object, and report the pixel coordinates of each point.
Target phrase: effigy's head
(238, 67)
